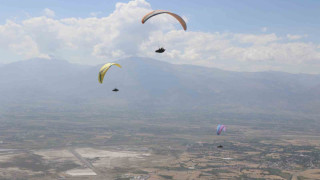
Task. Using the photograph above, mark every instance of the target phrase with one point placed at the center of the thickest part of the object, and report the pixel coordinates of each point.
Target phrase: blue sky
(296, 16)
(277, 25)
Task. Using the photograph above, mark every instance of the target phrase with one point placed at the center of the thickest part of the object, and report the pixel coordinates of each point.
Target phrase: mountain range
(151, 85)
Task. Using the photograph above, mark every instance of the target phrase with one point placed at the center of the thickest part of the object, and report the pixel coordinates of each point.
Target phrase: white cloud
(264, 29)
(256, 39)
(95, 14)
(295, 37)
(207, 48)
(17, 41)
(289, 53)
(48, 12)
(94, 40)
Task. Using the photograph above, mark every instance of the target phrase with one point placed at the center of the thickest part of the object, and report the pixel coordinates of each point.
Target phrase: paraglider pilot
(160, 50)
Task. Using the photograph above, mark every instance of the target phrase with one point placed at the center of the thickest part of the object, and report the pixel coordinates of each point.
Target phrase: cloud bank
(120, 34)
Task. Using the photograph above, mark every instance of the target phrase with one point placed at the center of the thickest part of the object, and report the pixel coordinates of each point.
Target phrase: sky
(246, 35)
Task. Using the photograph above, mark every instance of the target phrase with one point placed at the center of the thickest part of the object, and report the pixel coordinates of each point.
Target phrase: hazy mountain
(55, 85)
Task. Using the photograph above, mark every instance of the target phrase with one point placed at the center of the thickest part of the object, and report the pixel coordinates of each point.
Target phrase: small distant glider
(220, 128)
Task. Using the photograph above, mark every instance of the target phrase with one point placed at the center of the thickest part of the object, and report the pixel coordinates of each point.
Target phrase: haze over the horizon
(231, 35)
(148, 84)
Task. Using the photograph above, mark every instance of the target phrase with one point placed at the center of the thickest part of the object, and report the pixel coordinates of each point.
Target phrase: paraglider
(220, 128)
(157, 12)
(103, 71)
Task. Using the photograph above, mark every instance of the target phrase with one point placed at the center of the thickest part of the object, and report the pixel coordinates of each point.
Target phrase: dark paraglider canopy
(115, 90)
(160, 50)
(220, 146)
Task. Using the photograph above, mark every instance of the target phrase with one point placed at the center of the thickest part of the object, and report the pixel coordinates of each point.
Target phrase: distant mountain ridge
(146, 83)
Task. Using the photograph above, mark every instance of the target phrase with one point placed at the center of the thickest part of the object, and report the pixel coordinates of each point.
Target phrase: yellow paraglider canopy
(104, 69)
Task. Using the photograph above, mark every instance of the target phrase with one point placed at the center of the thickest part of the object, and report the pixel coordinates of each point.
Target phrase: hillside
(148, 84)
